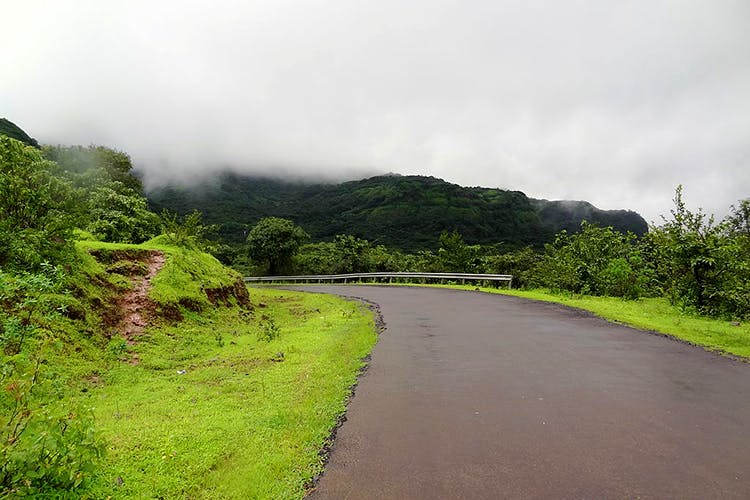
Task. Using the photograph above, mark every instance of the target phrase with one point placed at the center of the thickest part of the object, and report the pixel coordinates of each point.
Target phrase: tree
(114, 206)
(93, 166)
(37, 210)
(275, 241)
(519, 263)
(738, 220)
(455, 255)
(120, 214)
(704, 266)
(596, 261)
(688, 258)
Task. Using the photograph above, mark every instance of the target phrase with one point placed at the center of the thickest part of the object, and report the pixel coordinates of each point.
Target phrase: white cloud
(613, 102)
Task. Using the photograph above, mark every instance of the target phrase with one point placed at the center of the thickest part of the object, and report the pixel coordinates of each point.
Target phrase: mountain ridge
(402, 211)
(407, 212)
(13, 131)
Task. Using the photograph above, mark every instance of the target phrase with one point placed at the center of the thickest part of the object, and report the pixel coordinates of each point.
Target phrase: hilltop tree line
(407, 213)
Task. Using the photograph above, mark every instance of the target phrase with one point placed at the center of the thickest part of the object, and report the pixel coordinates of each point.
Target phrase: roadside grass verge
(213, 411)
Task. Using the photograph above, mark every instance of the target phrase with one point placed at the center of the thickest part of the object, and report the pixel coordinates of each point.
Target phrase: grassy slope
(184, 275)
(236, 423)
(655, 314)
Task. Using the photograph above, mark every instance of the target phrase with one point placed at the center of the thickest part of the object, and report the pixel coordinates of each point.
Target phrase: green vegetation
(214, 400)
(214, 411)
(407, 213)
(595, 261)
(144, 370)
(37, 209)
(110, 198)
(10, 129)
(275, 241)
(132, 364)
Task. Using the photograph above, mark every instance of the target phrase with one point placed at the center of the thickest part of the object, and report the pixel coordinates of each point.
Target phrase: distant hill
(406, 212)
(10, 129)
(566, 214)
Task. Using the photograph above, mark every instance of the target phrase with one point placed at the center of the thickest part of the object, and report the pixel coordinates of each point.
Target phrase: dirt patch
(131, 310)
(135, 303)
(222, 296)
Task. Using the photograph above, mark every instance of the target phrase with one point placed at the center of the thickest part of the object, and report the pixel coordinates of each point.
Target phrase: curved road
(471, 395)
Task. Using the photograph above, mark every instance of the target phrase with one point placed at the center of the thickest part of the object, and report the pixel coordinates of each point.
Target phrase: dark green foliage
(348, 254)
(567, 216)
(275, 241)
(455, 256)
(37, 210)
(113, 206)
(403, 212)
(10, 129)
(595, 261)
(519, 264)
(703, 265)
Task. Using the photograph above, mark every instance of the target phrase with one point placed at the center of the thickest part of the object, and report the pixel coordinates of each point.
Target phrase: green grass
(185, 274)
(236, 423)
(654, 314)
(210, 410)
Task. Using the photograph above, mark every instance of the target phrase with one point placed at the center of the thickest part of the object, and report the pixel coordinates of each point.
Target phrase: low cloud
(615, 103)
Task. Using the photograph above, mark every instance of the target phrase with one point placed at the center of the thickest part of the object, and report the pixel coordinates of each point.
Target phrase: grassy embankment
(229, 402)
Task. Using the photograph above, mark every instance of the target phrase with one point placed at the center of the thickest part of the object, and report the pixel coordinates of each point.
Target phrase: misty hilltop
(404, 212)
(13, 131)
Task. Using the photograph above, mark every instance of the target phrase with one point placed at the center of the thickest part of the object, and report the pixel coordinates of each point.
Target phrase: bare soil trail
(471, 395)
(135, 304)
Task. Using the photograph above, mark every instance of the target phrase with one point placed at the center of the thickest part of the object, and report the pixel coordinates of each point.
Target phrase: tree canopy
(275, 241)
(37, 209)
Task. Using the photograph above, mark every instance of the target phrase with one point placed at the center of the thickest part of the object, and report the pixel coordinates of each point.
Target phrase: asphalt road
(471, 395)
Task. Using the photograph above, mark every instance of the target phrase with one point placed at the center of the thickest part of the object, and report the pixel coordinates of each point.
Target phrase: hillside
(405, 212)
(12, 130)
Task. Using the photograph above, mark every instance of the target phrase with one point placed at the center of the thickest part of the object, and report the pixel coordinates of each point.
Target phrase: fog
(612, 102)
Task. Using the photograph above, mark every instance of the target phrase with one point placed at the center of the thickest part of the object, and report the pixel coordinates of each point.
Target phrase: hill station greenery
(135, 362)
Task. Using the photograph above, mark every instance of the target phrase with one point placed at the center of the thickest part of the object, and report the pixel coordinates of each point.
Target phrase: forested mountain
(405, 212)
(13, 131)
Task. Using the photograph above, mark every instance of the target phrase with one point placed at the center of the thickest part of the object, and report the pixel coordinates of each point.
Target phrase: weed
(219, 339)
(269, 330)
(117, 347)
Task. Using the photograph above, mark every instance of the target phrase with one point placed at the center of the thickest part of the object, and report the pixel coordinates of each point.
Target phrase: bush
(702, 265)
(119, 214)
(188, 231)
(45, 449)
(519, 264)
(596, 261)
(42, 452)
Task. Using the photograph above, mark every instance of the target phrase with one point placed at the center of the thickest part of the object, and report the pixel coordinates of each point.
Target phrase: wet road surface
(471, 395)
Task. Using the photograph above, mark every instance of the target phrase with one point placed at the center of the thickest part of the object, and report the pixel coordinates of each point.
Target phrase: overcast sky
(614, 102)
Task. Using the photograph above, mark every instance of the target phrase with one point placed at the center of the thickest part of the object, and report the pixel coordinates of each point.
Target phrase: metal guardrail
(374, 277)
